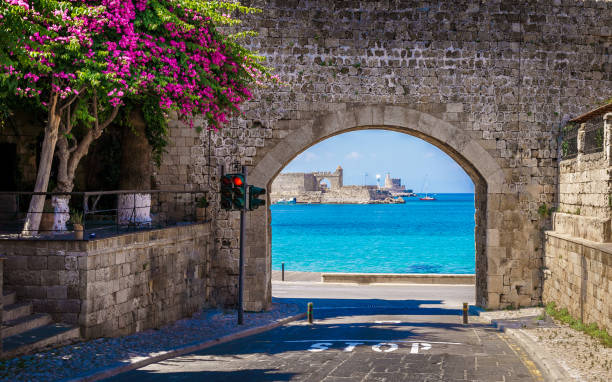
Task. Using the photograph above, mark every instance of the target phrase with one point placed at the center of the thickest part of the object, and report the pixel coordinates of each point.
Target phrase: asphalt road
(361, 333)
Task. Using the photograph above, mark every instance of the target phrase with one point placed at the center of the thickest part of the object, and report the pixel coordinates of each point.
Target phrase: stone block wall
(578, 278)
(487, 82)
(585, 183)
(578, 252)
(114, 286)
(294, 183)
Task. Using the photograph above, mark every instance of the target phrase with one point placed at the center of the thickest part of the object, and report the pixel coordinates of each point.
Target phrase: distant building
(393, 184)
(326, 187)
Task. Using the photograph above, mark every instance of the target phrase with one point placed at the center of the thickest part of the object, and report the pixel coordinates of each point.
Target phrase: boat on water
(426, 198)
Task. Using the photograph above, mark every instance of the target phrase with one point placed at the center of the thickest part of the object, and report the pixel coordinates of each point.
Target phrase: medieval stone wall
(578, 252)
(294, 183)
(114, 286)
(343, 195)
(579, 278)
(584, 186)
(487, 82)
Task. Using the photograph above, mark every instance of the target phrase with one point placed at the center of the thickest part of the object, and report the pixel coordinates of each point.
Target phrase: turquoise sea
(415, 237)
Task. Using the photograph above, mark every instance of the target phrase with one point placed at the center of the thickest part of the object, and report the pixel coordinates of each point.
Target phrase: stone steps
(9, 298)
(24, 332)
(39, 338)
(16, 310)
(23, 324)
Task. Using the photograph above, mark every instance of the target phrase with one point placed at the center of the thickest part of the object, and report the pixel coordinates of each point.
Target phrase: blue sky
(381, 151)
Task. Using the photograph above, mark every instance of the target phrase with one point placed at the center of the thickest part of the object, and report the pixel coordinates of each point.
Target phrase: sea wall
(343, 195)
(114, 286)
(294, 183)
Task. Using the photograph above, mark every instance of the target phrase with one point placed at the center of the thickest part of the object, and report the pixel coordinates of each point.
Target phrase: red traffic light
(237, 181)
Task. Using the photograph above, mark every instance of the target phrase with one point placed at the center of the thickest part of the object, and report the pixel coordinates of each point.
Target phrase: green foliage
(599, 136)
(544, 211)
(156, 121)
(157, 128)
(202, 202)
(569, 127)
(76, 217)
(565, 148)
(592, 329)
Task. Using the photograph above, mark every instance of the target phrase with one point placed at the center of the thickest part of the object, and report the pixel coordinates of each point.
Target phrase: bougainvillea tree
(81, 59)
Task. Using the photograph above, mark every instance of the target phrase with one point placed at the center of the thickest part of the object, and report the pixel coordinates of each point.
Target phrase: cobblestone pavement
(84, 357)
(358, 340)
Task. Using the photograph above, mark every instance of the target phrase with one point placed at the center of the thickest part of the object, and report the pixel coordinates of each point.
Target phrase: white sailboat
(426, 198)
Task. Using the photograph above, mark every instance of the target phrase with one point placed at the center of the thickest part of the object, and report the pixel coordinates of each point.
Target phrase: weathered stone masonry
(487, 82)
(578, 251)
(114, 286)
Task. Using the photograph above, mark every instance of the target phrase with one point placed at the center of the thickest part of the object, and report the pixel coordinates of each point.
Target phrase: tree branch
(110, 119)
(71, 100)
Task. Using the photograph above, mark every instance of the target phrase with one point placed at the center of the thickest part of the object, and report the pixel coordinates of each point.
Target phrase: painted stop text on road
(380, 346)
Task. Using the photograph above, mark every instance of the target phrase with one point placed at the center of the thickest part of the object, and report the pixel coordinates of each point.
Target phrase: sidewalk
(83, 358)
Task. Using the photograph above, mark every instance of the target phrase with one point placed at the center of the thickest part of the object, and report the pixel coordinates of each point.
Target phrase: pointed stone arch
(479, 164)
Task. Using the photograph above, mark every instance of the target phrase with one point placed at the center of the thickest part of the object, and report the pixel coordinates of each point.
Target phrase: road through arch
(482, 168)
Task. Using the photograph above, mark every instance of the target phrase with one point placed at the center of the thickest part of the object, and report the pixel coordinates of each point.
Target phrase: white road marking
(351, 345)
(378, 347)
(378, 341)
(320, 346)
(415, 347)
(387, 322)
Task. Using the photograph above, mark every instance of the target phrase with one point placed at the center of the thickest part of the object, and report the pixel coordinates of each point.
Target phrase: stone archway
(483, 169)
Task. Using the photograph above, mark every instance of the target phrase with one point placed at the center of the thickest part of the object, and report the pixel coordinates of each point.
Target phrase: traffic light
(239, 191)
(226, 192)
(254, 194)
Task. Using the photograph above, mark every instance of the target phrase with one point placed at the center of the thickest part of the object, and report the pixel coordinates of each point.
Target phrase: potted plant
(201, 205)
(76, 218)
(47, 218)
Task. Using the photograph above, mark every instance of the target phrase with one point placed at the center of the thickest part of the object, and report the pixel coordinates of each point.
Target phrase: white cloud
(353, 155)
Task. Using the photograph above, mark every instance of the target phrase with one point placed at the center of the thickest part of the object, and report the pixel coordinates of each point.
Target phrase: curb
(550, 368)
(122, 367)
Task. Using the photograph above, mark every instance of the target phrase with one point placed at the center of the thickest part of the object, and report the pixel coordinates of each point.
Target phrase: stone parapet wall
(585, 227)
(578, 277)
(585, 184)
(114, 286)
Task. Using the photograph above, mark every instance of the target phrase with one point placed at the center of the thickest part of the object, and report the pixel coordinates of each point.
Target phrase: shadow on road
(333, 307)
(244, 375)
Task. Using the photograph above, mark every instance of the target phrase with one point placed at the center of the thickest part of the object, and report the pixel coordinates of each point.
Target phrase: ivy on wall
(156, 121)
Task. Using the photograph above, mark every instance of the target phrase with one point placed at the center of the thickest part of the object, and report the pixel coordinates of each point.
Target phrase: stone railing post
(580, 142)
(608, 137)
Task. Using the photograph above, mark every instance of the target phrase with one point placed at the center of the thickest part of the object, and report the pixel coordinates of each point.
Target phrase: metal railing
(585, 134)
(569, 141)
(104, 213)
(593, 136)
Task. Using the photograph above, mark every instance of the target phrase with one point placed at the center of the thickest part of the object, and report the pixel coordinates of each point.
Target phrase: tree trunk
(136, 173)
(69, 159)
(37, 202)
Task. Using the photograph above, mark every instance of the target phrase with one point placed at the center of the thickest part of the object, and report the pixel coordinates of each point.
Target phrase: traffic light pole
(241, 261)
